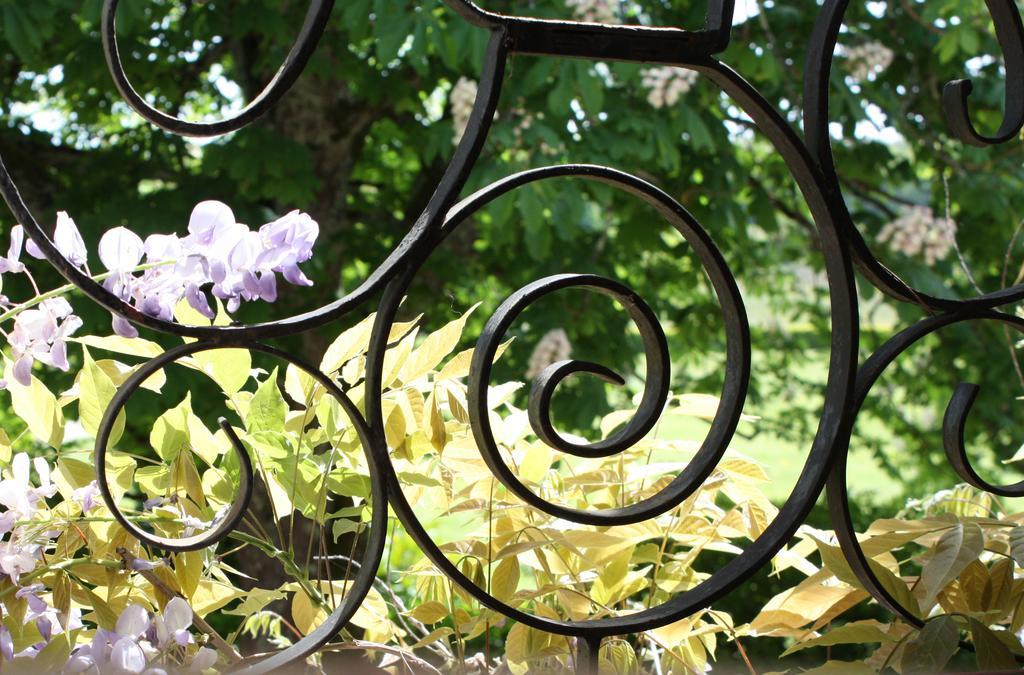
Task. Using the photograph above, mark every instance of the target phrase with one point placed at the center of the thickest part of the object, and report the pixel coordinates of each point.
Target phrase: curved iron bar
(953, 426)
(812, 479)
(655, 394)
(355, 592)
(811, 163)
(658, 367)
(816, 128)
(294, 63)
(1010, 34)
(445, 195)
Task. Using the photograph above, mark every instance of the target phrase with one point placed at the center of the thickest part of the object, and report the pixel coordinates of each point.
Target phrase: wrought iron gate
(809, 158)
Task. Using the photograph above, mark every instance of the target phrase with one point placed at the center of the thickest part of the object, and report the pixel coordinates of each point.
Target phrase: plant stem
(69, 288)
(287, 562)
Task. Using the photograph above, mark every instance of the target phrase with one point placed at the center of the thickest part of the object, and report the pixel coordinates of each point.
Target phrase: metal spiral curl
(812, 165)
(817, 76)
(953, 440)
(374, 548)
(1010, 35)
(658, 367)
(294, 63)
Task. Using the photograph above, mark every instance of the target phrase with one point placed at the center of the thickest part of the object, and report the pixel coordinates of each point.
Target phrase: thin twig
(956, 245)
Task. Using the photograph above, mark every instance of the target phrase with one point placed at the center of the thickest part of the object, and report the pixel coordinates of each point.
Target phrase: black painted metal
(811, 162)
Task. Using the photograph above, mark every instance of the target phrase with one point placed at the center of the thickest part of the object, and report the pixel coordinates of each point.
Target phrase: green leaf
(170, 433)
(955, 550)
(96, 389)
(990, 652)
(267, 410)
(1017, 544)
(932, 648)
(38, 408)
(858, 632)
(343, 526)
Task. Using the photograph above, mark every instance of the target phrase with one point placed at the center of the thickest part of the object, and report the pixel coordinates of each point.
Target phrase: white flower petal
(134, 621)
(68, 240)
(121, 250)
(177, 615)
(205, 658)
(20, 468)
(127, 656)
(208, 216)
(43, 470)
(17, 240)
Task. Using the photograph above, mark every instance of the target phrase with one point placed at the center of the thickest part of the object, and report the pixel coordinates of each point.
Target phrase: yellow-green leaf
(188, 568)
(119, 345)
(267, 410)
(857, 632)
(955, 550)
(96, 389)
(1017, 544)
(433, 422)
(429, 612)
(505, 579)
(932, 648)
(435, 348)
(170, 433)
(458, 365)
(991, 653)
(348, 345)
(38, 408)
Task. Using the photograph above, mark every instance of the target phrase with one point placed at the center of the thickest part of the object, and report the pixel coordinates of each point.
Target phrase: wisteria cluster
(23, 544)
(593, 11)
(139, 643)
(552, 348)
(219, 257)
(667, 84)
(918, 232)
(461, 100)
(867, 60)
(144, 643)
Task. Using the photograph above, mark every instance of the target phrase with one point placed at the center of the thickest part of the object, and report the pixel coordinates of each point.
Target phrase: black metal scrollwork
(811, 164)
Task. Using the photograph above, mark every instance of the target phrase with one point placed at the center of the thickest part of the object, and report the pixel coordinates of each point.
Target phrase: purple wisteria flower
(219, 257)
(40, 335)
(12, 262)
(21, 500)
(236, 263)
(86, 496)
(67, 239)
(139, 641)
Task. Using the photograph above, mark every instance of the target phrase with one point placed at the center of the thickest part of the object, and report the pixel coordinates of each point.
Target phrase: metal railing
(809, 158)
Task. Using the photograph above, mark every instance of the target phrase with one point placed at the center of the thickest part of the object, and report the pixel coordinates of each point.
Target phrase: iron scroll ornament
(809, 160)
